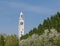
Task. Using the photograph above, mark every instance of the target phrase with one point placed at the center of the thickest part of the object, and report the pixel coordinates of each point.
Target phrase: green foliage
(34, 31)
(40, 29)
(1, 40)
(49, 23)
(11, 41)
(25, 36)
(31, 32)
(57, 41)
(51, 38)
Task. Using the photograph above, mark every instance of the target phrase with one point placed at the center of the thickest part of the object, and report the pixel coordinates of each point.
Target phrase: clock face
(21, 23)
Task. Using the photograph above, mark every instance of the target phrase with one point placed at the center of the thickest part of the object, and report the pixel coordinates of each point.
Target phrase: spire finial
(21, 13)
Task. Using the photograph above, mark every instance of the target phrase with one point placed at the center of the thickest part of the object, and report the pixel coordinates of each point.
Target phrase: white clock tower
(21, 25)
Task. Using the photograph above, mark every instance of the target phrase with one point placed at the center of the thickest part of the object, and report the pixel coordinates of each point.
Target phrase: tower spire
(21, 15)
(21, 25)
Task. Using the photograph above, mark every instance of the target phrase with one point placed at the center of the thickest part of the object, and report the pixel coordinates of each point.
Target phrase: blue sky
(35, 11)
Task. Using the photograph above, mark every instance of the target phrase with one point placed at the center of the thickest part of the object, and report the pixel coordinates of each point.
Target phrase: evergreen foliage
(49, 23)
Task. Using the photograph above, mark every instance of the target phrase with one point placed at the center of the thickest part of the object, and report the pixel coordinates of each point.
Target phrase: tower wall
(21, 25)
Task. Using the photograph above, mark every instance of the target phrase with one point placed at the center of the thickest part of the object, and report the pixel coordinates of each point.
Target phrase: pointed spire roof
(21, 13)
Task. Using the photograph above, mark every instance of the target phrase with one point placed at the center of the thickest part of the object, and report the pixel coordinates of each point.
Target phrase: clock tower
(21, 25)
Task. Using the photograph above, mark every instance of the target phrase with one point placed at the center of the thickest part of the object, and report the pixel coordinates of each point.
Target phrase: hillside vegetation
(50, 23)
(51, 38)
(46, 34)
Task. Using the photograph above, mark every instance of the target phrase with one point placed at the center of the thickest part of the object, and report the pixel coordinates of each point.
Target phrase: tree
(12, 41)
(31, 32)
(1, 40)
(57, 41)
(40, 29)
(35, 31)
(24, 37)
